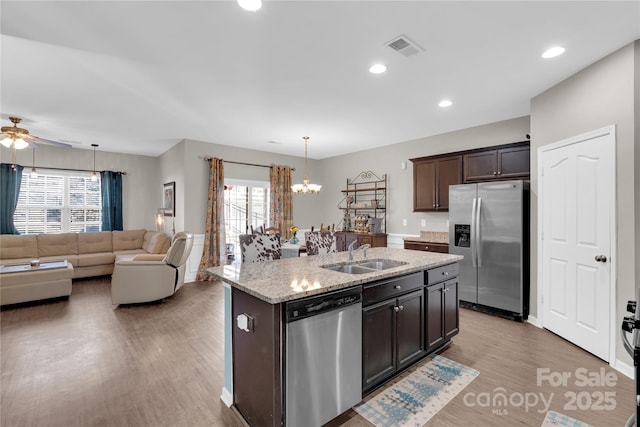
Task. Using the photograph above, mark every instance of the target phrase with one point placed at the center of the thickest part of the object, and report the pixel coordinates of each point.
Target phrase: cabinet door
(363, 240)
(424, 185)
(349, 238)
(378, 343)
(410, 328)
(513, 162)
(448, 173)
(451, 311)
(434, 318)
(480, 166)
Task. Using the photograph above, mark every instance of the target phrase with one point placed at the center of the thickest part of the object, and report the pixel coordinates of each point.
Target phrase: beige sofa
(91, 254)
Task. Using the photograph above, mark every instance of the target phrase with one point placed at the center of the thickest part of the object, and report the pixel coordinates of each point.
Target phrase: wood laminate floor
(83, 362)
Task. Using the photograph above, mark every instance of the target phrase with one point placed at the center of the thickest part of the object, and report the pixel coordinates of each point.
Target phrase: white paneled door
(577, 203)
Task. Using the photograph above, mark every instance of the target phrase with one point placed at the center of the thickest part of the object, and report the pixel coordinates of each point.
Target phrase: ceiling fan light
(20, 144)
(6, 142)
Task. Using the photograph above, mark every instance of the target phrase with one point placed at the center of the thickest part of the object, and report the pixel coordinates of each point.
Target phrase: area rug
(418, 397)
(554, 419)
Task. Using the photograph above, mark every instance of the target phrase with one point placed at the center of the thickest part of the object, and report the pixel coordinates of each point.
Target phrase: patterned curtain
(281, 201)
(214, 238)
(10, 180)
(111, 189)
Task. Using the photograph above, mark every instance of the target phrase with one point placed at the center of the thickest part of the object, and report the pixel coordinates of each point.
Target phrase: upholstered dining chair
(320, 242)
(149, 277)
(259, 247)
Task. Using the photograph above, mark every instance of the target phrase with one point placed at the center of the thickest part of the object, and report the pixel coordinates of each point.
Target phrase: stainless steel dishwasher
(323, 357)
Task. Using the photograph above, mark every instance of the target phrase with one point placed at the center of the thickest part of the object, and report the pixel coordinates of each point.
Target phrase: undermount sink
(363, 267)
(350, 268)
(382, 264)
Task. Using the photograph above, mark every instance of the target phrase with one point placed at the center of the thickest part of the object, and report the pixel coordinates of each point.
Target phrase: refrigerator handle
(473, 233)
(478, 236)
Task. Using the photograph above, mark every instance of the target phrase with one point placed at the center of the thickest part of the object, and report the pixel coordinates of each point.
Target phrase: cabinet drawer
(439, 274)
(427, 246)
(382, 290)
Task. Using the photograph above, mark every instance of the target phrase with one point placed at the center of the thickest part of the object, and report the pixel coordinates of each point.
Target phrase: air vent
(405, 46)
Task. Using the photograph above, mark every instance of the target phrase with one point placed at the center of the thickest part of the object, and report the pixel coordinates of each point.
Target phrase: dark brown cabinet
(501, 163)
(345, 238)
(432, 177)
(442, 309)
(393, 336)
(421, 245)
(393, 327)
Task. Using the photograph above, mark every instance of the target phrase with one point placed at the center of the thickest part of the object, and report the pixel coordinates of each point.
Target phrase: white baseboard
(534, 321)
(226, 397)
(193, 262)
(623, 368)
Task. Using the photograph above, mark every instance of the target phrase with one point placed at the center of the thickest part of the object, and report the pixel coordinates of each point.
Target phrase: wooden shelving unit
(365, 197)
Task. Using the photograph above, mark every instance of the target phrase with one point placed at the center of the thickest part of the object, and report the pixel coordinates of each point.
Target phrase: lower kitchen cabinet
(421, 245)
(393, 336)
(442, 313)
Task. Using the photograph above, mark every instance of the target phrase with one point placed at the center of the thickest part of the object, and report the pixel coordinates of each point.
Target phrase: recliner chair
(147, 278)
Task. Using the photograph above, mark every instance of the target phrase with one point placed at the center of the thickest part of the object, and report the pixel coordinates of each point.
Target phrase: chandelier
(305, 187)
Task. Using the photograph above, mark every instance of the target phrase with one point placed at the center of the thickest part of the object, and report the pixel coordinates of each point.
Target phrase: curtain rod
(207, 158)
(71, 170)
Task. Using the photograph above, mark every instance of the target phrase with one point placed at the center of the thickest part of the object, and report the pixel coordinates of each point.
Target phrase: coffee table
(22, 282)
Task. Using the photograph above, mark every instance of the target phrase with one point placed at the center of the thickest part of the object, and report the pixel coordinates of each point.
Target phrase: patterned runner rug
(554, 419)
(418, 397)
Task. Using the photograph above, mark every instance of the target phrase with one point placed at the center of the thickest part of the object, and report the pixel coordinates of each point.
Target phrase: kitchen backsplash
(434, 236)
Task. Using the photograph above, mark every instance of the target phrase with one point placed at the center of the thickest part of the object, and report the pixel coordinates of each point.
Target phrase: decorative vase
(294, 240)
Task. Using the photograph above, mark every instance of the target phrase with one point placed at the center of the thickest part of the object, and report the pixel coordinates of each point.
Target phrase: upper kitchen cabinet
(501, 162)
(432, 177)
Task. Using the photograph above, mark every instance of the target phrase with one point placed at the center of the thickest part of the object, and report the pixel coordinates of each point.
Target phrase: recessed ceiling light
(445, 103)
(250, 5)
(378, 68)
(553, 52)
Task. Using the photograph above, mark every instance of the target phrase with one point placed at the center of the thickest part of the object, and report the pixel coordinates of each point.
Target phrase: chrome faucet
(363, 248)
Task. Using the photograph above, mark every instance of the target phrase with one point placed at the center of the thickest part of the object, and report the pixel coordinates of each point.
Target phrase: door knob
(601, 258)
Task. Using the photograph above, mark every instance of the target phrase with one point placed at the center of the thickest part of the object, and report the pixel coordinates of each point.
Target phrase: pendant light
(306, 187)
(94, 175)
(34, 173)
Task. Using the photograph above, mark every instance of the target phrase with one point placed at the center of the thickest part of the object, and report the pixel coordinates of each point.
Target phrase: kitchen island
(409, 308)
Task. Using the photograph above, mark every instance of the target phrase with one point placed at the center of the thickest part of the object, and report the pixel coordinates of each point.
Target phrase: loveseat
(91, 254)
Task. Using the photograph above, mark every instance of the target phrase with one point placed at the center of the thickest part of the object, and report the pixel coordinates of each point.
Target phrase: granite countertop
(292, 278)
(431, 237)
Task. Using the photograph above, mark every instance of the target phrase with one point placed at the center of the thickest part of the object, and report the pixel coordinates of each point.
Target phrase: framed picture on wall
(169, 198)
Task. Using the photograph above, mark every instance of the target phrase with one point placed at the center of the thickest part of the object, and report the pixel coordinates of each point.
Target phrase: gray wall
(388, 160)
(184, 163)
(600, 95)
(141, 191)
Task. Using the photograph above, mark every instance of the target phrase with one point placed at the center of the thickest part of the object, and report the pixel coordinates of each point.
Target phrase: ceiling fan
(19, 138)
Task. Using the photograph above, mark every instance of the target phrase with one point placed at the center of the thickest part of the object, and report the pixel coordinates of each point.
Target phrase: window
(246, 203)
(58, 202)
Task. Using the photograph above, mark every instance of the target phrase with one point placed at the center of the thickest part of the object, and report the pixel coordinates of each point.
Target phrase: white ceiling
(139, 76)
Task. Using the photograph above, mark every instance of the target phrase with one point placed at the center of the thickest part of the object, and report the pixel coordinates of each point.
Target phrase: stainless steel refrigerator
(489, 226)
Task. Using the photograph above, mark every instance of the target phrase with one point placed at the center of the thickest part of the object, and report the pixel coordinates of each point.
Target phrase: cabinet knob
(426, 248)
(397, 287)
(401, 308)
(437, 205)
(499, 172)
(445, 289)
(396, 309)
(445, 273)
(434, 205)
(495, 173)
